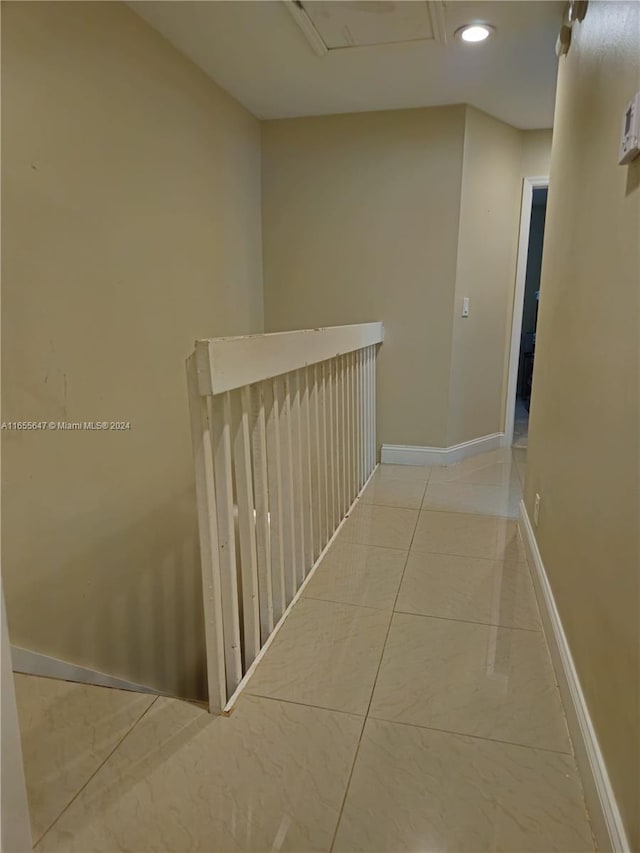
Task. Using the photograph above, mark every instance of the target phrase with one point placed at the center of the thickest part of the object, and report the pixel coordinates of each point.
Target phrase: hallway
(408, 703)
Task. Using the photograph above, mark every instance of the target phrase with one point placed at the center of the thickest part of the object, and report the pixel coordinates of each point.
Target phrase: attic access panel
(330, 25)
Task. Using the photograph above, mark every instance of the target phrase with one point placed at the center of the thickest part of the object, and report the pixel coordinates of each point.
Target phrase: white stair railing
(284, 439)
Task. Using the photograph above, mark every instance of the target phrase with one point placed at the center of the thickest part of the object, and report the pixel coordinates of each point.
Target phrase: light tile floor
(407, 704)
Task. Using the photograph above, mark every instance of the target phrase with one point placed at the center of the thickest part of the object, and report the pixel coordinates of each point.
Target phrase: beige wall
(536, 153)
(131, 225)
(584, 431)
(360, 222)
(370, 217)
(486, 262)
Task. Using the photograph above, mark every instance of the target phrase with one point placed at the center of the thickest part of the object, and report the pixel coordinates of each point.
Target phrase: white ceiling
(259, 54)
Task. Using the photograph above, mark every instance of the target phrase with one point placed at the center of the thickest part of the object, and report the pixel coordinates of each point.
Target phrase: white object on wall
(630, 140)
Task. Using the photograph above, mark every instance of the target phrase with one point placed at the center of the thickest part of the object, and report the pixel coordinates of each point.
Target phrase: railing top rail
(227, 363)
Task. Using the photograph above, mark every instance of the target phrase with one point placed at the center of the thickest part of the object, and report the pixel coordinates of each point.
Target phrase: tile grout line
(424, 553)
(474, 737)
(373, 687)
(391, 506)
(304, 704)
(452, 732)
(96, 771)
(468, 621)
(451, 511)
(426, 616)
(513, 518)
(347, 603)
(404, 482)
(342, 543)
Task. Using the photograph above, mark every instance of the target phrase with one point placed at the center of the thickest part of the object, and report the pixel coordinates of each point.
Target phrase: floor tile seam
(341, 603)
(373, 687)
(395, 601)
(488, 515)
(473, 736)
(340, 543)
(398, 481)
(300, 704)
(96, 771)
(405, 550)
(393, 506)
(470, 622)
(349, 603)
(423, 552)
(347, 786)
(466, 512)
(511, 562)
(466, 482)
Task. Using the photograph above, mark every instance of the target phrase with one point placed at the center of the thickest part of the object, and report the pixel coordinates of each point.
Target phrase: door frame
(528, 186)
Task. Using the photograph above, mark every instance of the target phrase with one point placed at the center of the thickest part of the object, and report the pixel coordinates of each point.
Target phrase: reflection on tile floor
(67, 731)
(407, 704)
(326, 654)
(271, 776)
(416, 789)
(496, 592)
(471, 679)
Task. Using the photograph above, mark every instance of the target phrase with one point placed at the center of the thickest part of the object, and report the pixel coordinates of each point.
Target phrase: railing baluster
(342, 459)
(263, 536)
(339, 438)
(347, 430)
(227, 538)
(247, 529)
(328, 506)
(276, 508)
(288, 500)
(352, 429)
(208, 531)
(306, 469)
(317, 486)
(359, 417)
(332, 444)
(294, 391)
(363, 410)
(368, 409)
(356, 423)
(374, 418)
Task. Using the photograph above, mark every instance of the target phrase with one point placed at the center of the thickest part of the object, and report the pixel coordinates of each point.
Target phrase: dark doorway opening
(529, 317)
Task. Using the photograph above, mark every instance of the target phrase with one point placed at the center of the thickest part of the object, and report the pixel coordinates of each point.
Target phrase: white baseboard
(35, 663)
(606, 821)
(406, 454)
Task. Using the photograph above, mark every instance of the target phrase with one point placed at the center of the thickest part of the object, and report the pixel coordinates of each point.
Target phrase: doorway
(525, 310)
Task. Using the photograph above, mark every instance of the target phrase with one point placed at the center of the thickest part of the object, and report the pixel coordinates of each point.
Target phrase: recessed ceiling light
(474, 32)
